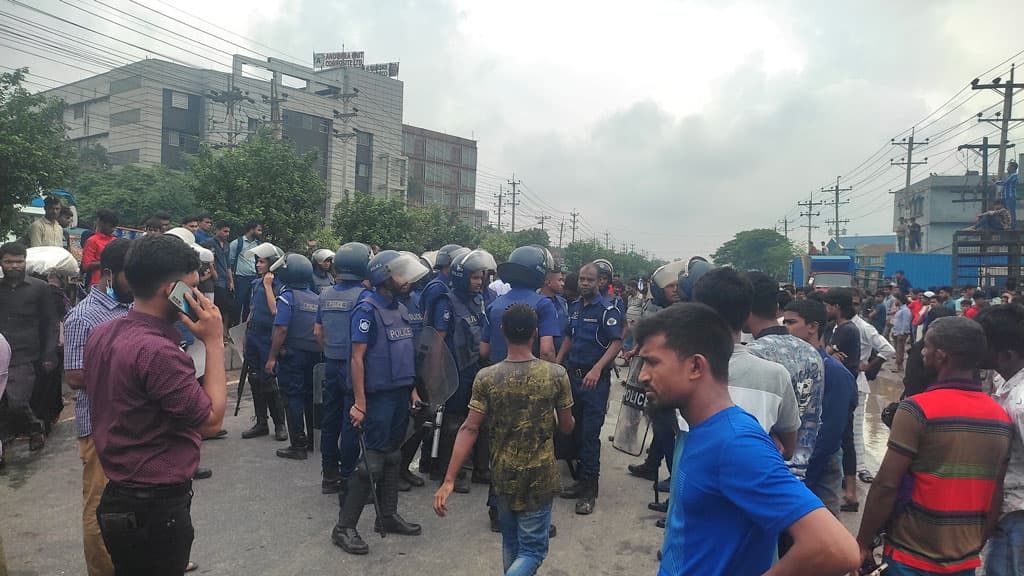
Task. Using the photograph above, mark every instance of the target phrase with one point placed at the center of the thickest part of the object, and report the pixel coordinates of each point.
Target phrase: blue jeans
(524, 537)
(1004, 553)
(592, 404)
(829, 485)
(898, 569)
(335, 416)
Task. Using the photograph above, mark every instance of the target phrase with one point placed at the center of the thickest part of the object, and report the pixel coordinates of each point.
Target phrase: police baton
(241, 384)
(379, 524)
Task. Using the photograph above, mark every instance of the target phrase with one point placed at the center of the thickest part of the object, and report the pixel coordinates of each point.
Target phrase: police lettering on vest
(390, 351)
(335, 310)
(467, 328)
(304, 304)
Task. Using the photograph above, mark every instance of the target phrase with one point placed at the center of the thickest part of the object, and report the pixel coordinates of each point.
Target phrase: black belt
(153, 491)
(582, 369)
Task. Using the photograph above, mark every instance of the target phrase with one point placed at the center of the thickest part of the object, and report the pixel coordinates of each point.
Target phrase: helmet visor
(406, 269)
(668, 274)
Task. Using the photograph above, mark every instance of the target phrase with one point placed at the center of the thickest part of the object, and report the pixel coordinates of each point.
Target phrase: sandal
(191, 567)
(866, 477)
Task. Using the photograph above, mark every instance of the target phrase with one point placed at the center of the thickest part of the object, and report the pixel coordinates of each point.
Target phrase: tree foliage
(135, 193)
(759, 249)
(627, 264)
(264, 180)
(35, 155)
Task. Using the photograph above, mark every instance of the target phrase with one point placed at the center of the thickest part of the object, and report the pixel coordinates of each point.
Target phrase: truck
(823, 272)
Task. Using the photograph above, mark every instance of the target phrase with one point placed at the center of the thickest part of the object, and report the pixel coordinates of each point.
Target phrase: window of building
(173, 138)
(124, 157)
(307, 122)
(364, 138)
(325, 126)
(125, 84)
(127, 117)
(451, 176)
(469, 179)
(435, 151)
(455, 154)
(468, 156)
(362, 170)
(466, 200)
(408, 144)
(78, 110)
(179, 100)
(254, 124)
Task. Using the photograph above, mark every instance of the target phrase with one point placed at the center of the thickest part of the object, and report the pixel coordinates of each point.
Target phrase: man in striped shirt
(108, 299)
(939, 483)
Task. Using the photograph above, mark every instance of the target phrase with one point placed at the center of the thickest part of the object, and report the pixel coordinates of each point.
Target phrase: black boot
(588, 497)
(410, 477)
(462, 484)
(351, 502)
(390, 520)
(573, 492)
(492, 512)
(349, 540)
(277, 414)
(646, 471)
(260, 428)
(331, 482)
(297, 450)
(259, 404)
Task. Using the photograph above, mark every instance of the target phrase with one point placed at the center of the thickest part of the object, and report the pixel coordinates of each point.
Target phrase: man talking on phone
(149, 412)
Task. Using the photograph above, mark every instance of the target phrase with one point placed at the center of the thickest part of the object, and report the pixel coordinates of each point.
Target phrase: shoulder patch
(447, 315)
(364, 325)
(612, 321)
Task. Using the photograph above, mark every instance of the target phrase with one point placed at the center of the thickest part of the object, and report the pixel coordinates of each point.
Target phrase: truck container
(823, 272)
(922, 270)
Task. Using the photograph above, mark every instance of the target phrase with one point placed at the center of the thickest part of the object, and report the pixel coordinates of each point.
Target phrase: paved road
(260, 514)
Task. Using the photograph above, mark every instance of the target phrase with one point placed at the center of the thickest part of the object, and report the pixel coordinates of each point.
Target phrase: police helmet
(205, 255)
(663, 278)
(604, 268)
(352, 261)
(294, 270)
(184, 234)
(445, 256)
(430, 256)
(688, 278)
(462, 269)
(321, 255)
(264, 250)
(402, 268)
(527, 266)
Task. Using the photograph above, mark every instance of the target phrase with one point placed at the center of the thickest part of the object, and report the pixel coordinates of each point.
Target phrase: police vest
(321, 281)
(335, 316)
(415, 314)
(260, 319)
(390, 358)
(562, 311)
(499, 347)
(466, 331)
(300, 328)
(435, 289)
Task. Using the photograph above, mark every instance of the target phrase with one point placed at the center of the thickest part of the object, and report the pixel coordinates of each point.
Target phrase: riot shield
(632, 426)
(237, 335)
(435, 366)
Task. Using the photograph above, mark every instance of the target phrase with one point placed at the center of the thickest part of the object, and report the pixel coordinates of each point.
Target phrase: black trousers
(849, 449)
(147, 531)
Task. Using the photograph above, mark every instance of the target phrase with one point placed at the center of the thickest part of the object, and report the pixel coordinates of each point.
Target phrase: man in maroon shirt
(149, 412)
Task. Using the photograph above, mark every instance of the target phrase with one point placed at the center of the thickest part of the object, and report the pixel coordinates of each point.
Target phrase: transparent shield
(632, 426)
(435, 366)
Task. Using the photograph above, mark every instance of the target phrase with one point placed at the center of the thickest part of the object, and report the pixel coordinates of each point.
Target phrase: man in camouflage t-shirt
(522, 399)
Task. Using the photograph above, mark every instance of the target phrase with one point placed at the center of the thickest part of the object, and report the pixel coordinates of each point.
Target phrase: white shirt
(763, 389)
(499, 287)
(1010, 395)
(870, 340)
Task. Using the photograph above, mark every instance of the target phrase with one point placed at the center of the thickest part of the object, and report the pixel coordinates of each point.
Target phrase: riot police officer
(462, 335)
(323, 275)
(339, 447)
(605, 274)
(294, 350)
(383, 369)
(258, 335)
(525, 271)
(592, 340)
(434, 300)
(664, 293)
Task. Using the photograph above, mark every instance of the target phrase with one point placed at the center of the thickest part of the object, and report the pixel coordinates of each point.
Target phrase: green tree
(759, 249)
(499, 244)
(262, 179)
(135, 193)
(531, 236)
(627, 264)
(363, 218)
(35, 154)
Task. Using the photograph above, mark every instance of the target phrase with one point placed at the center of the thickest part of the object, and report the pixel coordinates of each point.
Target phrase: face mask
(110, 291)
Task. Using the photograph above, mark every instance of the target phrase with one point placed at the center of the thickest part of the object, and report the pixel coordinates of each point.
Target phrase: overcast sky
(670, 124)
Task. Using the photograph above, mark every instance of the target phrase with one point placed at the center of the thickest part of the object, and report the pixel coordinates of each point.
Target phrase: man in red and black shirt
(106, 223)
(939, 483)
(149, 412)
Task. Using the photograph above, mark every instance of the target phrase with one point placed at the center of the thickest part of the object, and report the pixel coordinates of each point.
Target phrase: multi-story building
(442, 171)
(153, 112)
(941, 205)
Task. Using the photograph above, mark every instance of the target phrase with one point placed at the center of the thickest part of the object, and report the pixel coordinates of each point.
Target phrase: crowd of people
(491, 372)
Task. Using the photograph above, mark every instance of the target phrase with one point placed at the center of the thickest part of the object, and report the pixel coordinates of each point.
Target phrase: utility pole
(785, 227)
(275, 105)
(515, 191)
(561, 231)
(982, 150)
(230, 98)
(344, 136)
(909, 160)
(575, 215)
(836, 204)
(607, 240)
(501, 195)
(810, 205)
(542, 219)
(1006, 90)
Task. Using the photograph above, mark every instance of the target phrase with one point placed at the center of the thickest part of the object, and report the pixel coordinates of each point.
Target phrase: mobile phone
(177, 297)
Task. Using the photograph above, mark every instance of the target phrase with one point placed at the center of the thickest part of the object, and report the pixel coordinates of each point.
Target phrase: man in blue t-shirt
(734, 495)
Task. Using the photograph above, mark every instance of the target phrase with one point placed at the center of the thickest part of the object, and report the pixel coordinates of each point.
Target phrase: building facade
(941, 205)
(156, 112)
(442, 171)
